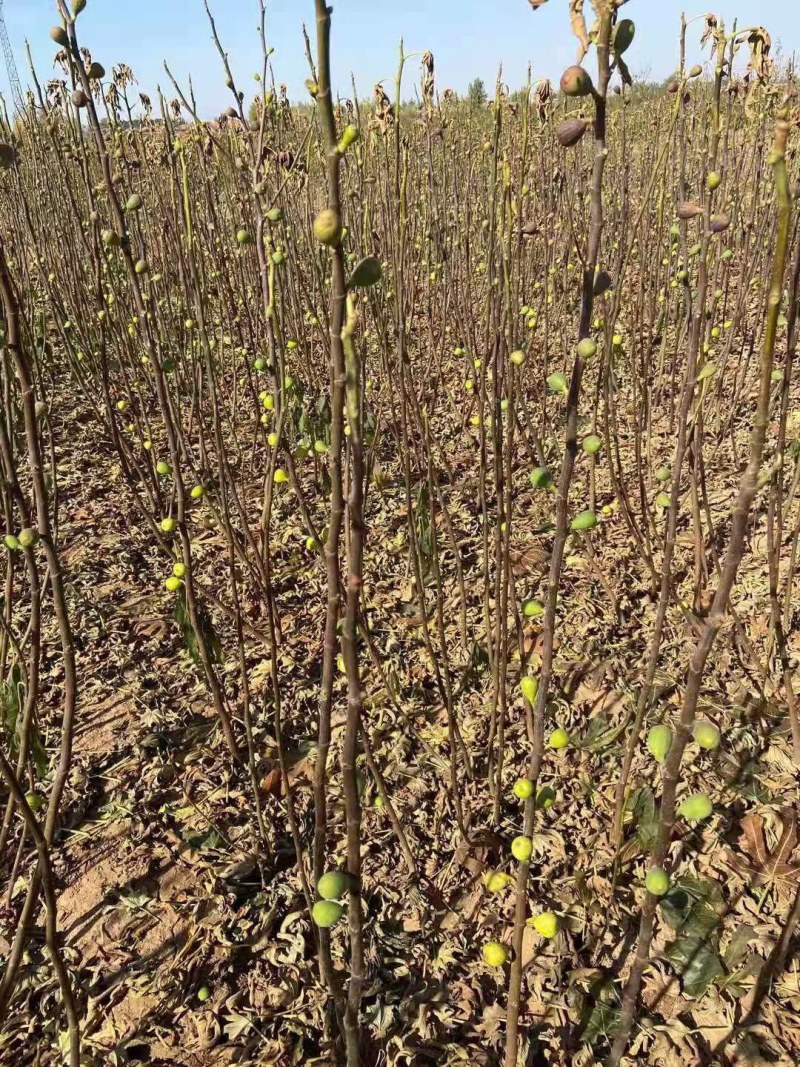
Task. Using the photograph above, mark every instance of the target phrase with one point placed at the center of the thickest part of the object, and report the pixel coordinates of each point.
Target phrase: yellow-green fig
(659, 741)
(586, 520)
(657, 881)
(332, 885)
(328, 227)
(523, 788)
(496, 881)
(696, 807)
(706, 735)
(326, 912)
(545, 923)
(529, 687)
(522, 849)
(558, 739)
(495, 954)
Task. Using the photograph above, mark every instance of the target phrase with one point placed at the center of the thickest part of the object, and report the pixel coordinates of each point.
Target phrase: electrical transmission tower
(11, 66)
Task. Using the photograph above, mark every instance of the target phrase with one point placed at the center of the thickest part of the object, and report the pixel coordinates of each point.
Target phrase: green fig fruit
(558, 739)
(540, 478)
(696, 807)
(328, 227)
(522, 849)
(332, 885)
(545, 923)
(657, 881)
(659, 742)
(28, 537)
(586, 520)
(495, 954)
(706, 735)
(529, 687)
(326, 912)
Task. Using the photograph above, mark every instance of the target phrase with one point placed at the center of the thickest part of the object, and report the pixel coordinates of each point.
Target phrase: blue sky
(469, 38)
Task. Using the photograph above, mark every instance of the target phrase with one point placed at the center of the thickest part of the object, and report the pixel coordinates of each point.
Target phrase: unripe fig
(326, 912)
(179, 570)
(532, 609)
(696, 71)
(517, 357)
(545, 923)
(522, 849)
(624, 33)
(167, 525)
(575, 81)
(540, 478)
(545, 798)
(59, 35)
(28, 537)
(570, 131)
(243, 237)
(587, 348)
(657, 881)
(349, 136)
(11, 543)
(275, 214)
(495, 954)
(558, 739)
(659, 742)
(203, 994)
(523, 788)
(328, 227)
(332, 885)
(696, 807)
(134, 202)
(34, 801)
(529, 687)
(496, 881)
(197, 492)
(586, 520)
(663, 474)
(141, 266)
(706, 735)
(592, 444)
(173, 583)
(713, 181)
(557, 382)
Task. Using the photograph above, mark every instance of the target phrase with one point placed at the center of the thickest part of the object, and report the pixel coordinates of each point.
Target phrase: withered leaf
(770, 866)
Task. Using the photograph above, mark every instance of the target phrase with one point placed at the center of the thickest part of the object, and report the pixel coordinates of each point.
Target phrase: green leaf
(691, 906)
(367, 273)
(599, 734)
(642, 807)
(697, 964)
